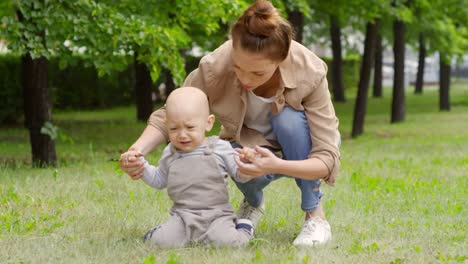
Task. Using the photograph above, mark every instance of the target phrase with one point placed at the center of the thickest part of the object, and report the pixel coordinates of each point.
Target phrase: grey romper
(196, 183)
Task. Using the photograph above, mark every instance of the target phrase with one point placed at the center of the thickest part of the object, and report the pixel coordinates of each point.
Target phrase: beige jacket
(304, 87)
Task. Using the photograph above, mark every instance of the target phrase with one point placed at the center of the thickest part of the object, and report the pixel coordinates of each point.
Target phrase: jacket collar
(287, 71)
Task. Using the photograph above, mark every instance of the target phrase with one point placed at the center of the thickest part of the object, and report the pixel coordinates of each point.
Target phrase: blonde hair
(262, 30)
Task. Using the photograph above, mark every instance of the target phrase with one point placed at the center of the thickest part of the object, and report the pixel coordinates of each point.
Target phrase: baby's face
(187, 129)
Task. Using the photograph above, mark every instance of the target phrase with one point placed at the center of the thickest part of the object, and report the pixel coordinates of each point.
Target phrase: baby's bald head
(188, 118)
(188, 100)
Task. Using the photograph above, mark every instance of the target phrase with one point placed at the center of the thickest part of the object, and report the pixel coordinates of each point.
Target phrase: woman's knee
(292, 131)
(290, 122)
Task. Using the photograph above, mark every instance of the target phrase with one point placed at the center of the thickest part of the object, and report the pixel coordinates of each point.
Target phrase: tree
(423, 12)
(402, 14)
(369, 12)
(106, 35)
(336, 13)
(296, 17)
(296, 11)
(418, 87)
(143, 85)
(450, 39)
(444, 91)
(378, 62)
(27, 34)
(38, 30)
(364, 77)
(398, 98)
(337, 62)
(440, 27)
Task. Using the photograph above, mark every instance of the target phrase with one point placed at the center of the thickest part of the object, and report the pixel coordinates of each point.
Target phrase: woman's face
(252, 69)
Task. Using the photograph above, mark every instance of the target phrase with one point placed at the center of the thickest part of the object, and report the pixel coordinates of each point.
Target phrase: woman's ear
(210, 122)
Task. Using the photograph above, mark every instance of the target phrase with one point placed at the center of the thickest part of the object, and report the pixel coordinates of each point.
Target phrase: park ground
(401, 196)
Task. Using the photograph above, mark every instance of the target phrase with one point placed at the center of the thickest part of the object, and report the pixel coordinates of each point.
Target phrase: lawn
(401, 196)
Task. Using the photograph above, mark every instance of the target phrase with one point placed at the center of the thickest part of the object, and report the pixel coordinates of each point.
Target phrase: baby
(195, 169)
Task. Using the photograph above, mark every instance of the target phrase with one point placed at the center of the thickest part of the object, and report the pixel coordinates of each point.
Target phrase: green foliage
(446, 28)
(401, 10)
(55, 132)
(443, 25)
(107, 34)
(27, 23)
(50, 130)
(156, 30)
(352, 17)
(291, 5)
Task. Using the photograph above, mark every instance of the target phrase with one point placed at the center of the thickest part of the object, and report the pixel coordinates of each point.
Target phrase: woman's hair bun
(261, 19)
(262, 30)
(264, 10)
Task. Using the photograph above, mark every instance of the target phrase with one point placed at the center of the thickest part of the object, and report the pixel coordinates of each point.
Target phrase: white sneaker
(246, 211)
(315, 231)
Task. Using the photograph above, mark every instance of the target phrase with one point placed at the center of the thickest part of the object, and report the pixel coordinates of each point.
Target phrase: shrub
(351, 67)
(10, 89)
(75, 87)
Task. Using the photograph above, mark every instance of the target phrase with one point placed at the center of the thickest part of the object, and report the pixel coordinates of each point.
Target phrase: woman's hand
(131, 164)
(247, 155)
(261, 163)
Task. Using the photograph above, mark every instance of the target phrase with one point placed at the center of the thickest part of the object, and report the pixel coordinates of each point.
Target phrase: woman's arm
(323, 126)
(267, 162)
(309, 169)
(148, 140)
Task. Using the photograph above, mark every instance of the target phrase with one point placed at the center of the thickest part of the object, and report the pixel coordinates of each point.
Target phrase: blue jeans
(292, 132)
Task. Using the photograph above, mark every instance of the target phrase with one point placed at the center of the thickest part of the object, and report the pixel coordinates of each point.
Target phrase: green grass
(401, 196)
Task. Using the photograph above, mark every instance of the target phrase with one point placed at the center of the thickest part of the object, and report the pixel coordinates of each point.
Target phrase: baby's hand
(248, 155)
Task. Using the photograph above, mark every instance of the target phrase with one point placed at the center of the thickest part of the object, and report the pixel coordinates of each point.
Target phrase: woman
(267, 90)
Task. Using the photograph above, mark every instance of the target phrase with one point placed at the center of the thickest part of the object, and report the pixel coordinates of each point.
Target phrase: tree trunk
(170, 84)
(418, 89)
(143, 84)
(377, 91)
(297, 20)
(364, 77)
(444, 92)
(37, 104)
(398, 100)
(37, 109)
(337, 69)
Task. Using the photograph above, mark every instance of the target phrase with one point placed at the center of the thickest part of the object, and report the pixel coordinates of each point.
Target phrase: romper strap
(174, 152)
(211, 143)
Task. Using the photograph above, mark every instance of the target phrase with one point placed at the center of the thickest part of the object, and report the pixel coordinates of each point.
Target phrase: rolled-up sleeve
(158, 120)
(323, 125)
